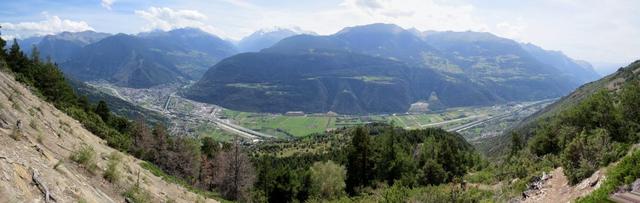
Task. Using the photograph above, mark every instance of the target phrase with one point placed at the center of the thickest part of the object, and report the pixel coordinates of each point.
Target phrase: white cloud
(107, 3)
(52, 25)
(513, 30)
(167, 19)
(422, 14)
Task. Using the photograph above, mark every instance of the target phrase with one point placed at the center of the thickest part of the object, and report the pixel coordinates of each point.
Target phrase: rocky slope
(37, 142)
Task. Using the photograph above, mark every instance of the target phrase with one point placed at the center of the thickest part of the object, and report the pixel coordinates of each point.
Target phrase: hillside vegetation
(44, 150)
(593, 127)
(173, 160)
(373, 163)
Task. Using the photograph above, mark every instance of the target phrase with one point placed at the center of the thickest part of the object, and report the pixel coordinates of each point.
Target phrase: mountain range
(376, 68)
(461, 68)
(145, 59)
(264, 38)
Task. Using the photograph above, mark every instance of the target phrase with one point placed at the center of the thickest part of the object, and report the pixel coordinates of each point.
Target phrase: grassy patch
(85, 156)
(213, 132)
(112, 174)
(136, 195)
(33, 124)
(16, 134)
(39, 137)
(252, 85)
(484, 177)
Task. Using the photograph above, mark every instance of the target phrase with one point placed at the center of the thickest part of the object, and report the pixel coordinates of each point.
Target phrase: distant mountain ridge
(149, 59)
(492, 70)
(580, 70)
(320, 82)
(60, 47)
(265, 38)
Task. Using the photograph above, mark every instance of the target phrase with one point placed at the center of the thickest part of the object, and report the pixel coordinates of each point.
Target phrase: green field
(281, 125)
(300, 126)
(213, 132)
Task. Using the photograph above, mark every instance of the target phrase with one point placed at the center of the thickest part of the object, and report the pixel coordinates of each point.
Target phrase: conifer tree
(103, 111)
(359, 163)
(35, 54)
(2, 45)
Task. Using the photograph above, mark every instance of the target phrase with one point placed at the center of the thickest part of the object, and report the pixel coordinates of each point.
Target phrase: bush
(112, 174)
(16, 135)
(585, 154)
(625, 172)
(327, 180)
(135, 194)
(85, 156)
(486, 176)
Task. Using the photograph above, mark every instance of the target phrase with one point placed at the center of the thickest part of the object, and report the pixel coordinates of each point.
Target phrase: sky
(593, 30)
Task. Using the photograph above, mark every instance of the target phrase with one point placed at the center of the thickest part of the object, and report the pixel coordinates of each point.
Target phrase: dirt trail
(557, 188)
(34, 156)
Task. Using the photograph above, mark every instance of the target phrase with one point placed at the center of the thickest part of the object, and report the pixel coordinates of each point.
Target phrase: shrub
(39, 138)
(585, 154)
(16, 135)
(33, 124)
(486, 176)
(85, 156)
(625, 172)
(327, 180)
(135, 194)
(112, 174)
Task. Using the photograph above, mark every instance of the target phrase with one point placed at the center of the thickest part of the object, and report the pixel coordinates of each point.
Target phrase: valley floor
(201, 119)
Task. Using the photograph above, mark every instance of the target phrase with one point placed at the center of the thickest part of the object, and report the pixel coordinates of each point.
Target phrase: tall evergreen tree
(103, 111)
(16, 59)
(2, 45)
(516, 143)
(396, 160)
(35, 54)
(359, 163)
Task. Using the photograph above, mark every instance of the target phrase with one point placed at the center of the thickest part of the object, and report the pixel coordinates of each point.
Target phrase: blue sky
(592, 30)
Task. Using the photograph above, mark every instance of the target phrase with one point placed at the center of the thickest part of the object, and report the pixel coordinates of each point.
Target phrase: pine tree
(210, 147)
(359, 163)
(103, 111)
(516, 143)
(35, 54)
(2, 45)
(395, 160)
